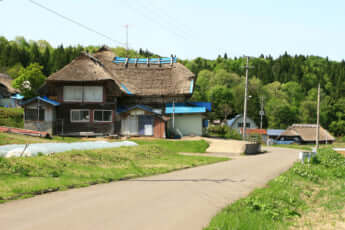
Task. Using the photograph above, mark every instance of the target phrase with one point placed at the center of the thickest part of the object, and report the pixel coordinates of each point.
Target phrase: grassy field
(9, 138)
(199, 146)
(307, 196)
(29, 176)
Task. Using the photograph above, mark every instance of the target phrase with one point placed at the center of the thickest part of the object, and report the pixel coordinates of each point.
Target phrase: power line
(168, 19)
(147, 16)
(76, 22)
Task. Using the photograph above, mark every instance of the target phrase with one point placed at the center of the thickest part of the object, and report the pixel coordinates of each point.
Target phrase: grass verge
(10, 138)
(29, 176)
(306, 196)
(199, 146)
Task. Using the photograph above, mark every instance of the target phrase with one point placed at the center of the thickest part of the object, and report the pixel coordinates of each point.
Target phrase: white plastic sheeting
(47, 148)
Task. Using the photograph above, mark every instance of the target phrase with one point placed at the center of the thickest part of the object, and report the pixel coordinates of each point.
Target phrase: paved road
(185, 199)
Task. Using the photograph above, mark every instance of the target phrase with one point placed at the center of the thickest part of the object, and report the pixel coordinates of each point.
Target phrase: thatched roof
(141, 79)
(144, 80)
(83, 68)
(307, 132)
(6, 82)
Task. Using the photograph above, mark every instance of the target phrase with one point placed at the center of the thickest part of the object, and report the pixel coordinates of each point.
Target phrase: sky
(186, 28)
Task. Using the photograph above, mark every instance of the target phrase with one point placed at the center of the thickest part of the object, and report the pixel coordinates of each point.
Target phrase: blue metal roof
(232, 121)
(190, 107)
(274, 132)
(18, 97)
(125, 88)
(44, 99)
(142, 107)
(167, 60)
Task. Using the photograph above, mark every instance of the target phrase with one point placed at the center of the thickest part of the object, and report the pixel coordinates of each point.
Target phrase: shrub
(12, 117)
(223, 131)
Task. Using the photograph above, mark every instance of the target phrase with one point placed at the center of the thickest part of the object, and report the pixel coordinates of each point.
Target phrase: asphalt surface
(185, 199)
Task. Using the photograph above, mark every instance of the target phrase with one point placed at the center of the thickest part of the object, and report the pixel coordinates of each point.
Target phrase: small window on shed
(32, 114)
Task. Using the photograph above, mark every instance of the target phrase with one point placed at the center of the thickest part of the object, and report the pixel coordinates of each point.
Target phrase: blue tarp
(275, 132)
(166, 60)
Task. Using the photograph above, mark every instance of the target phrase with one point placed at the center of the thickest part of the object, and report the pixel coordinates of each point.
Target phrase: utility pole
(245, 102)
(173, 114)
(318, 119)
(262, 112)
(126, 26)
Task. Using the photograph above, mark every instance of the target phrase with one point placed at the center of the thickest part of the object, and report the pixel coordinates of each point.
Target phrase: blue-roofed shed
(188, 118)
(40, 114)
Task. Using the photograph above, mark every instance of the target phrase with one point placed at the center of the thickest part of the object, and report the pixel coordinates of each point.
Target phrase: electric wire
(76, 22)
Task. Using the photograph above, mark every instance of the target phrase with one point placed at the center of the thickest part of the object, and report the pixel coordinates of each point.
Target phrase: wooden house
(98, 95)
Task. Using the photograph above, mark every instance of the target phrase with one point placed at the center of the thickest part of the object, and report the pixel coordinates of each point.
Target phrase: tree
(14, 71)
(220, 96)
(279, 113)
(32, 74)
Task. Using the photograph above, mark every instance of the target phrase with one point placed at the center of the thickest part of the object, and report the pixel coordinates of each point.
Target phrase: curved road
(185, 199)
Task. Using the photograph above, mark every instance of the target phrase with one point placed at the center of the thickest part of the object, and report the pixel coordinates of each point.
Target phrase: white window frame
(90, 87)
(83, 93)
(70, 86)
(80, 121)
(103, 110)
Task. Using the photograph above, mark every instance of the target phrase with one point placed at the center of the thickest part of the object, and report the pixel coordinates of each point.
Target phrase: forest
(286, 86)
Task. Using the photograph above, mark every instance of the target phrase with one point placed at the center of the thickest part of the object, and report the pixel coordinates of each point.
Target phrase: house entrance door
(146, 125)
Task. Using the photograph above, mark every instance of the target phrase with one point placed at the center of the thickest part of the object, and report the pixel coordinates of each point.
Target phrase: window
(83, 93)
(93, 93)
(80, 115)
(31, 115)
(102, 115)
(240, 124)
(73, 93)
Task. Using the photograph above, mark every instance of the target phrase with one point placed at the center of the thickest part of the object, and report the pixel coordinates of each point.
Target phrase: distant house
(305, 134)
(101, 94)
(188, 118)
(274, 134)
(237, 123)
(8, 94)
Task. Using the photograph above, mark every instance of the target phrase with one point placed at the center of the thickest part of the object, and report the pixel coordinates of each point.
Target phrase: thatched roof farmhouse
(6, 89)
(94, 90)
(306, 133)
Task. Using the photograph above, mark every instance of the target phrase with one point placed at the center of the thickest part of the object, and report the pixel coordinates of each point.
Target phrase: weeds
(319, 185)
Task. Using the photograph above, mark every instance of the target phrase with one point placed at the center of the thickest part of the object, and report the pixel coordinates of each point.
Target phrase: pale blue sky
(187, 28)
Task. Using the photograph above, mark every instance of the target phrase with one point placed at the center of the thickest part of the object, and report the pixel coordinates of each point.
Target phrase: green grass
(10, 138)
(178, 146)
(29, 176)
(290, 198)
(296, 146)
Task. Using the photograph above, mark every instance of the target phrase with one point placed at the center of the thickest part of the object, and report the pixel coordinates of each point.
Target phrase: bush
(326, 164)
(223, 131)
(12, 117)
